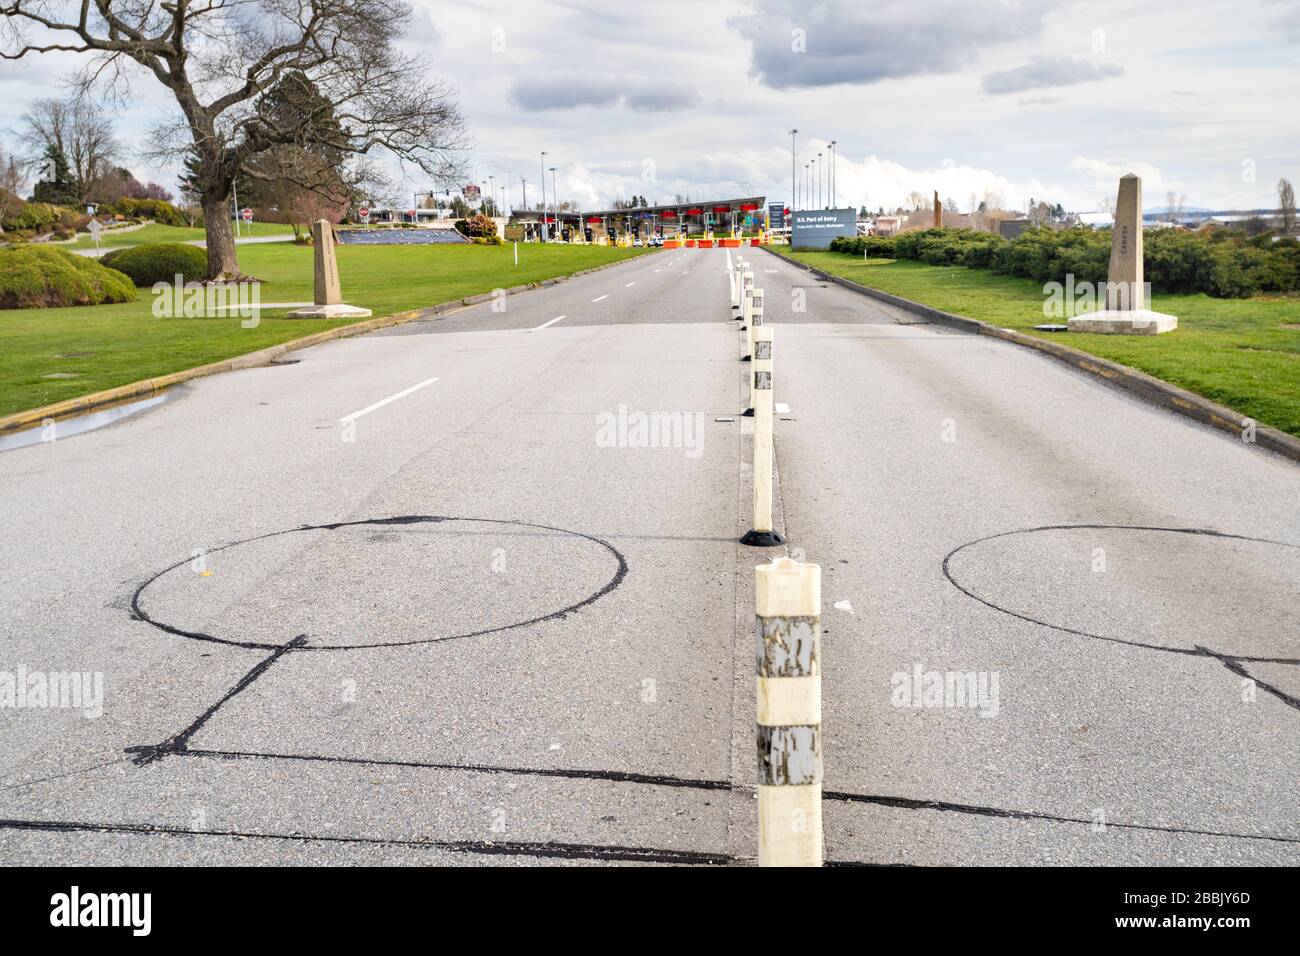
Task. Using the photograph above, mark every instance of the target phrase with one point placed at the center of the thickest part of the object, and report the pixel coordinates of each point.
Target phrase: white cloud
(556, 91)
(825, 42)
(1043, 72)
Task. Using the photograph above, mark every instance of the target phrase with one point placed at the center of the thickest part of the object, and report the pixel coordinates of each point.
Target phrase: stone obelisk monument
(329, 297)
(1126, 311)
(938, 211)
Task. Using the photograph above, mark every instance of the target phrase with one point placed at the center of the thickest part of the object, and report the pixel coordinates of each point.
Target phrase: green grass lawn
(126, 343)
(1239, 352)
(158, 233)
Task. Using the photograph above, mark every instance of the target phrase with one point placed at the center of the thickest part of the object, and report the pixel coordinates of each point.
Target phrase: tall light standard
(492, 192)
(543, 216)
(832, 174)
(794, 190)
(555, 202)
(807, 182)
(820, 167)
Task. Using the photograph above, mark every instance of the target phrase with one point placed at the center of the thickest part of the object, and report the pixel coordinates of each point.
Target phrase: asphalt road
(423, 597)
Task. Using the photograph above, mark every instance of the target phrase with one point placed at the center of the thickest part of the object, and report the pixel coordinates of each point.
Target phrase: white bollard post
(762, 534)
(755, 320)
(746, 287)
(787, 631)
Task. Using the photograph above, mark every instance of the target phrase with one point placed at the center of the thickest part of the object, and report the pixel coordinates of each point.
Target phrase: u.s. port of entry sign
(815, 228)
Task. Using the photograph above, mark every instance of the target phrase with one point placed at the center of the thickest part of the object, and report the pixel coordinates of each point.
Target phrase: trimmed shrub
(476, 227)
(34, 276)
(872, 247)
(159, 262)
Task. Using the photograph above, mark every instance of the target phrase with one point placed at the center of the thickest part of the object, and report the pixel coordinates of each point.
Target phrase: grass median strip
(103, 347)
(1243, 353)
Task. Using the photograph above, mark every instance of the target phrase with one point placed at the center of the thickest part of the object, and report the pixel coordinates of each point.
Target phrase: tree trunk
(222, 263)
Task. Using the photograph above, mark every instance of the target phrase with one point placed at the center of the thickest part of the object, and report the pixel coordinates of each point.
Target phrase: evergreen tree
(55, 185)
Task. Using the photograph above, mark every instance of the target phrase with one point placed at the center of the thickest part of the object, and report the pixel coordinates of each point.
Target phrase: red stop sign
(365, 212)
(248, 215)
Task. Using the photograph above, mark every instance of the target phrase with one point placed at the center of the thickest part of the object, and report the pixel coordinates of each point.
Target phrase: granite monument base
(1130, 322)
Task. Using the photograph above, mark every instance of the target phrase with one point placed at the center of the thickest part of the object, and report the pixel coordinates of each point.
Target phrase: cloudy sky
(1053, 99)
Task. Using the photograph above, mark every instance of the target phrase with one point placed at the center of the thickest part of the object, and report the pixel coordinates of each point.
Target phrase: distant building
(888, 225)
(747, 213)
(1230, 219)
(1010, 228)
(1095, 220)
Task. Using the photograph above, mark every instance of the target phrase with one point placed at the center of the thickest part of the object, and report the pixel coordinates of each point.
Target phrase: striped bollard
(762, 534)
(787, 631)
(755, 320)
(746, 289)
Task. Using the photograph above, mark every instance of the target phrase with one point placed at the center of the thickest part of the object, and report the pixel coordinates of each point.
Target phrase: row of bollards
(758, 352)
(787, 631)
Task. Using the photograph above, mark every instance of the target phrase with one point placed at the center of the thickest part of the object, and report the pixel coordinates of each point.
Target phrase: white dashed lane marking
(391, 398)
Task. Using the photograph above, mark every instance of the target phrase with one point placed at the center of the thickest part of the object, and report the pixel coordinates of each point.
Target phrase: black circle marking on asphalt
(1191, 651)
(619, 574)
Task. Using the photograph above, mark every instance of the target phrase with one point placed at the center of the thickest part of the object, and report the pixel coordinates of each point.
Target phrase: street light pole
(543, 216)
(794, 192)
(832, 174)
(555, 202)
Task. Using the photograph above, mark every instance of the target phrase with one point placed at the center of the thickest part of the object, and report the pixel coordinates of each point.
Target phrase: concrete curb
(1147, 387)
(72, 406)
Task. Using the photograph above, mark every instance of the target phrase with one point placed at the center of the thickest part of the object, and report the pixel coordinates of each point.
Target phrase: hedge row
(38, 217)
(42, 217)
(1218, 262)
(44, 277)
(159, 210)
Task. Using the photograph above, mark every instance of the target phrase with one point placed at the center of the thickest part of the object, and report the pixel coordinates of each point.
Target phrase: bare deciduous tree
(1286, 202)
(12, 180)
(80, 131)
(218, 57)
